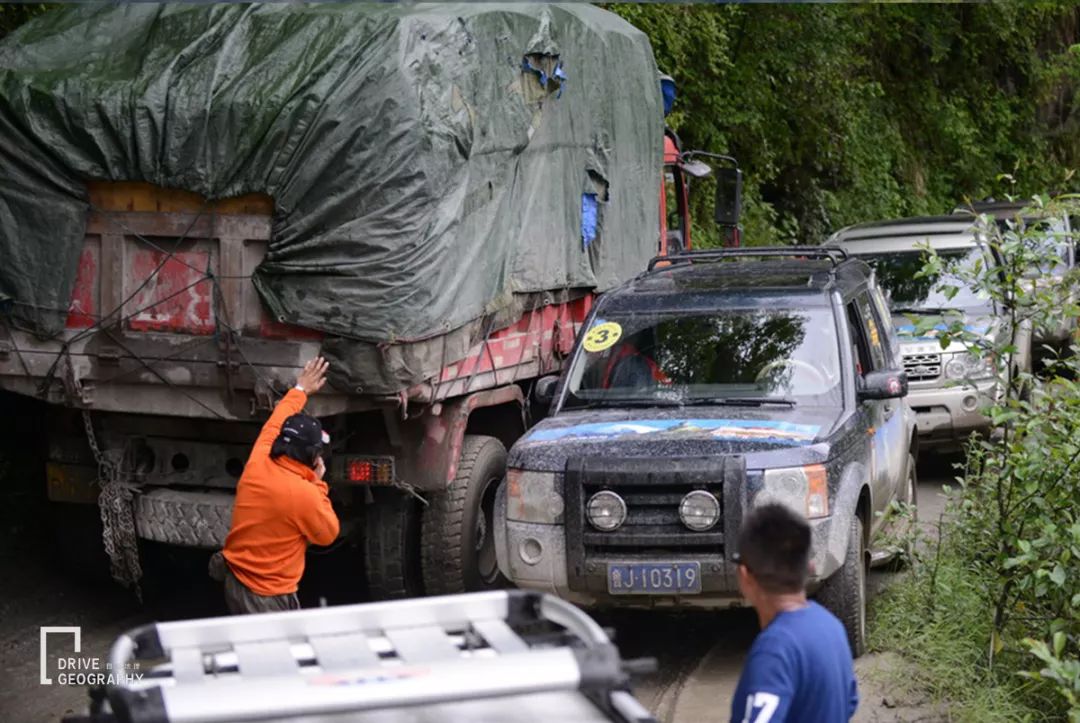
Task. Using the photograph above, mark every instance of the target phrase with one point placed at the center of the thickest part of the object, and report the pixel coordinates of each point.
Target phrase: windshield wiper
(740, 401)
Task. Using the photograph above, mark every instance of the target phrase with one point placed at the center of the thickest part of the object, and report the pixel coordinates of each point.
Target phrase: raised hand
(313, 376)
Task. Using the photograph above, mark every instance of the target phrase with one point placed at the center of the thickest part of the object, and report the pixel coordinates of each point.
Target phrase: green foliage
(12, 16)
(1060, 672)
(847, 113)
(942, 630)
(1008, 561)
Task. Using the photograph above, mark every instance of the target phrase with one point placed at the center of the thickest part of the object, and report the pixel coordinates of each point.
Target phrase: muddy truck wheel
(458, 548)
(392, 546)
(844, 593)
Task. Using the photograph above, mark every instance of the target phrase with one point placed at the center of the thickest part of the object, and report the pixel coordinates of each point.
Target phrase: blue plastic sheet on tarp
(667, 90)
(589, 211)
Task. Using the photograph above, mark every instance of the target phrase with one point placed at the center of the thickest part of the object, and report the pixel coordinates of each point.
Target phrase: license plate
(654, 578)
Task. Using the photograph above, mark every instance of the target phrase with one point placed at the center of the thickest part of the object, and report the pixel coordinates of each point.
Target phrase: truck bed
(165, 320)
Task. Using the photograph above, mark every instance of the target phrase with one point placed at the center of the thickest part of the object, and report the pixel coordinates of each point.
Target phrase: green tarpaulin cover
(429, 164)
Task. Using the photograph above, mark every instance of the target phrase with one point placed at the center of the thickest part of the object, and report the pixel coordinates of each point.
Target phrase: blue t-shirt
(799, 669)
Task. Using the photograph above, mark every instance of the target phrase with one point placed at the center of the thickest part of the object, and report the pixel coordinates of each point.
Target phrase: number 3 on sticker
(602, 336)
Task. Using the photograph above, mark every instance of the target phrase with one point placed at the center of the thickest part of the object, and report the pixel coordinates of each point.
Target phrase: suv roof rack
(834, 254)
(489, 646)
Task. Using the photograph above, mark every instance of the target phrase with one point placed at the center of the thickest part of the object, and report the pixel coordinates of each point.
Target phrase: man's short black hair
(774, 545)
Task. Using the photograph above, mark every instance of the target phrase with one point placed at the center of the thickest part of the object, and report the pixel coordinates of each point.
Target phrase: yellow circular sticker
(602, 336)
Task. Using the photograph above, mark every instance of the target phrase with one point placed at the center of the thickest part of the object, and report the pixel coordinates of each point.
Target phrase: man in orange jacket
(282, 505)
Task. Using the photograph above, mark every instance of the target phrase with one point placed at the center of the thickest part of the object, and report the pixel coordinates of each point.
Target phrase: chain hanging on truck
(116, 502)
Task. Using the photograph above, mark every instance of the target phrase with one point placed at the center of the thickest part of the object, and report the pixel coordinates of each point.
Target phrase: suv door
(888, 448)
(899, 419)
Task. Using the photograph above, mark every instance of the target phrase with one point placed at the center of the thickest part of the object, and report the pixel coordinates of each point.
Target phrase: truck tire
(844, 593)
(458, 551)
(188, 519)
(392, 546)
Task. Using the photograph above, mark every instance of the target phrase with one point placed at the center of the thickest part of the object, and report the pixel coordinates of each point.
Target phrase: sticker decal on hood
(722, 429)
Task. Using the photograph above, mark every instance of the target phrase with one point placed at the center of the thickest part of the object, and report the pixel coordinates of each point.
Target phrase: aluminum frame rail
(370, 657)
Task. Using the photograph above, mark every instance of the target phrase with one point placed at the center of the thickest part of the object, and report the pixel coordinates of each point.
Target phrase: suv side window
(879, 357)
(863, 361)
(884, 321)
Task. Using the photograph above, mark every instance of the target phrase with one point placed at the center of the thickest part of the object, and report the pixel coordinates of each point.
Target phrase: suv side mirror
(728, 196)
(884, 384)
(544, 391)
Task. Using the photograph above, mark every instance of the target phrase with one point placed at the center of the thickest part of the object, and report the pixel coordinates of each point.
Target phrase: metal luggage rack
(359, 659)
(834, 254)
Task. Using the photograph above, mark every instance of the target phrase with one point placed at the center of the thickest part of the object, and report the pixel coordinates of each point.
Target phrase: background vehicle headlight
(605, 511)
(534, 496)
(965, 365)
(699, 510)
(804, 490)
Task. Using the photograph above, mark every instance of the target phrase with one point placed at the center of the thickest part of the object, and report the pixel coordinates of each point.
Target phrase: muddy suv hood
(767, 436)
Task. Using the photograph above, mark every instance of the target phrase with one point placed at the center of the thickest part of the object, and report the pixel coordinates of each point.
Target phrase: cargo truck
(433, 204)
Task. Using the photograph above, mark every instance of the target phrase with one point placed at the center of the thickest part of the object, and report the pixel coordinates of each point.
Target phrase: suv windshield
(736, 356)
(1048, 237)
(896, 273)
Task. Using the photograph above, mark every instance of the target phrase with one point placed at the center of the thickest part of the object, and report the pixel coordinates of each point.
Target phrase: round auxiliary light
(605, 511)
(699, 510)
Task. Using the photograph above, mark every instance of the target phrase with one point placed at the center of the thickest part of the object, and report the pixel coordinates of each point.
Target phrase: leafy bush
(846, 113)
(1007, 564)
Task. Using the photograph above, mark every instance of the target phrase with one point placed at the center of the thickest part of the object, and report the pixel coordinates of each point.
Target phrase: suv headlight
(534, 496)
(803, 489)
(965, 365)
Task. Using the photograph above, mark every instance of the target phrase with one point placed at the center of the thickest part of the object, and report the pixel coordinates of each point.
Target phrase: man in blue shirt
(799, 667)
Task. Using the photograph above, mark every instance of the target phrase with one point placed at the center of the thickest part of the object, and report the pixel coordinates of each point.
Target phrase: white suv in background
(1059, 240)
(947, 387)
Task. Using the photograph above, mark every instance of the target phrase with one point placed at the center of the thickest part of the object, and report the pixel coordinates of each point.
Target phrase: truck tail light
(369, 470)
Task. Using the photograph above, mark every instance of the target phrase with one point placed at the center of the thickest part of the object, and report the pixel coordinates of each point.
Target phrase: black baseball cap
(305, 429)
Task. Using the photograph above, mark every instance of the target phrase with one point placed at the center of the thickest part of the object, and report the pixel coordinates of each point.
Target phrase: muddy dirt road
(699, 654)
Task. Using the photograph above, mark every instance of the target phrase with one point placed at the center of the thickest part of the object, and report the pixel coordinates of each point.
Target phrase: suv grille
(920, 367)
(652, 518)
(652, 488)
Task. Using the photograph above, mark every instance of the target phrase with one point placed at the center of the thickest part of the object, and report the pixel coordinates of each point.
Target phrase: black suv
(715, 381)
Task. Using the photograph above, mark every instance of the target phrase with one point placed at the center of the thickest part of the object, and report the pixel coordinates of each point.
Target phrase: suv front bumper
(534, 556)
(946, 415)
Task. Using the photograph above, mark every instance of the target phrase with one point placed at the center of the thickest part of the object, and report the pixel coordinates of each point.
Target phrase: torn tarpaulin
(557, 77)
(417, 187)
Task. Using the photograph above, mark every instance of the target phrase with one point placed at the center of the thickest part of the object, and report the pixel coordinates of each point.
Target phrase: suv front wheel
(844, 593)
